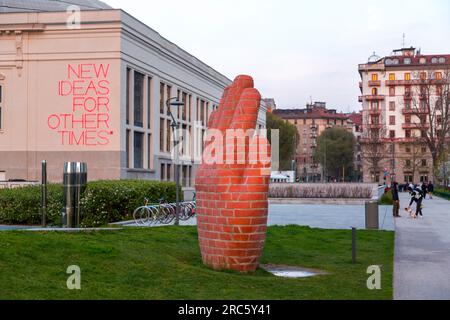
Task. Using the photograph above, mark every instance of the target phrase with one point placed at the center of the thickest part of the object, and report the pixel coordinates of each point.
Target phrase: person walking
(416, 197)
(430, 189)
(424, 188)
(396, 200)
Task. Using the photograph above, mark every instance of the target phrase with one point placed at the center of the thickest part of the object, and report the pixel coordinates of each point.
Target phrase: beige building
(92, 86)
(391, 89)
(310, 123)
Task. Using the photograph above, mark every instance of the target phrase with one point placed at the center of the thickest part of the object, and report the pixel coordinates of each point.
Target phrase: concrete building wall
(69, 95)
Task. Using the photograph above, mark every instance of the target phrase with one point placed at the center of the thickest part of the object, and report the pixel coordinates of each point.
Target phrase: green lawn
(165, 263)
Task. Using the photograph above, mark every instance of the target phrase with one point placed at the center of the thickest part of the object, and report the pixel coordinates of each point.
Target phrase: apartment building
(311, 122)
(96, 92)
(395, 113)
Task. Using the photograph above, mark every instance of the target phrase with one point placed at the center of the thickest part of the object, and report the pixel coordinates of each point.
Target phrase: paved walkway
(422, 252)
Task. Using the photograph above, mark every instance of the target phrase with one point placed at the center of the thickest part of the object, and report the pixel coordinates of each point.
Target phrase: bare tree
(429, 105)
(373, 141)
(413, 158)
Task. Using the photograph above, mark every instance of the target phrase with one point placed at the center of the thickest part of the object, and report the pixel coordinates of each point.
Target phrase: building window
(374, 77)
(169, 172)
(392, 134)
(168, 136)
(127, 148)
(161, 98)
(392, 91)
(162, 172)
(374, 91)
(375, 105)
(168, 90)
(391, 76)
(407, 76)
(408, 163)
(438, 76)
(424, 149)
(138, 150)
(408, 105)
(408, 149)
(161, 134)
(423, 134)
(138, 99)
(392, 106)
(424, 162)
(407, 133)
(127, 96)
(149, 152)
(408, 119)
(423, 76)
(392, 120)
(149, 102)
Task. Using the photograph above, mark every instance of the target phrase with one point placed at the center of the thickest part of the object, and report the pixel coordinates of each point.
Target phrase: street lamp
(175, 125)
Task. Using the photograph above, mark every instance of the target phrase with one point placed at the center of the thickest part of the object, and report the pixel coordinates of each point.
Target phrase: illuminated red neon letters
(87, 123)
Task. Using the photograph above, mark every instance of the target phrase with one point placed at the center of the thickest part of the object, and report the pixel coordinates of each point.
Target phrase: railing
(18, 184)
(164, 213)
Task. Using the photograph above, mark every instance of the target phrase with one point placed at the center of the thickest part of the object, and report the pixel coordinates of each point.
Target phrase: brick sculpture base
(232, 198)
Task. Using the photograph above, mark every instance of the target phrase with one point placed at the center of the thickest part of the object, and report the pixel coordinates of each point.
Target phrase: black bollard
(353, 245)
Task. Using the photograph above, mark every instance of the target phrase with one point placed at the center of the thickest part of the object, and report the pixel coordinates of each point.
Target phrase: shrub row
(103, 201)
(442, 193)
(334, 191)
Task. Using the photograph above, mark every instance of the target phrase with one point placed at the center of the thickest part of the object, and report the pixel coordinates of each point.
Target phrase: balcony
(375, 83)
(374, 97)
(375, 126)
(375, 112)
(399, 82)
(415, 126)
(414, 111)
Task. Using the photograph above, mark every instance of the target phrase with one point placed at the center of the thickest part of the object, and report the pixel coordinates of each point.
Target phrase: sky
(296, 51)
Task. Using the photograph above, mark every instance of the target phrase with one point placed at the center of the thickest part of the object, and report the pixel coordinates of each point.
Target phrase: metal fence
(164, 213)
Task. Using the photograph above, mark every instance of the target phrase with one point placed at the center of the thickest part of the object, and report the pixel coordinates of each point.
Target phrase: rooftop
(317, 110)
(49, 5)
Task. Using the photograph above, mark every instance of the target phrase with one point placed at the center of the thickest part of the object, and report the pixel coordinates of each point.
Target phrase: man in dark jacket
(430, 189)
(424, 188)
(396, 199)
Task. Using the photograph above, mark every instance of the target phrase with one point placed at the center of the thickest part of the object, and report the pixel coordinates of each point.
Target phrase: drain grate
(291, 271)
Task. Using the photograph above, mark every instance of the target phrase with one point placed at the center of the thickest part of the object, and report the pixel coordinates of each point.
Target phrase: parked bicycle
(162, 212)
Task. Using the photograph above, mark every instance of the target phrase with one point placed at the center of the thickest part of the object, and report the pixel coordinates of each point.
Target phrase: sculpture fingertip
(244, 81)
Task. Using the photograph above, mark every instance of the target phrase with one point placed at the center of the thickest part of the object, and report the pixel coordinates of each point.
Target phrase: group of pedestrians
(417, 192)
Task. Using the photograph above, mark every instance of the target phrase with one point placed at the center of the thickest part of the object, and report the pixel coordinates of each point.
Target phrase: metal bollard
(44, 194)
(372, 214)
(74, 181)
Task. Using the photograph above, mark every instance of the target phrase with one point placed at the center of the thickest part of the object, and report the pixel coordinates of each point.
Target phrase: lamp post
(175, 126)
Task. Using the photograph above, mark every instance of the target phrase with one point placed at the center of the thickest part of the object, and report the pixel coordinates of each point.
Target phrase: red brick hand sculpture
(232, 194)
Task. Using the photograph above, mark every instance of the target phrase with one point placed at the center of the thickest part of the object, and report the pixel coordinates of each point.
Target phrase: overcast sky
(296, 49)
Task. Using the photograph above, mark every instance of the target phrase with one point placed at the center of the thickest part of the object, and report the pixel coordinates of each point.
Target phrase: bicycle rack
(164, 213)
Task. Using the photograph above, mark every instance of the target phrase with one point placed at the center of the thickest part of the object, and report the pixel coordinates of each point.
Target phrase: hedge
(442, 193)
(103, 201)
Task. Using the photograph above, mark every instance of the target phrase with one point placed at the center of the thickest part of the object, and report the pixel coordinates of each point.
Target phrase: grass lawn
(165, 263)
